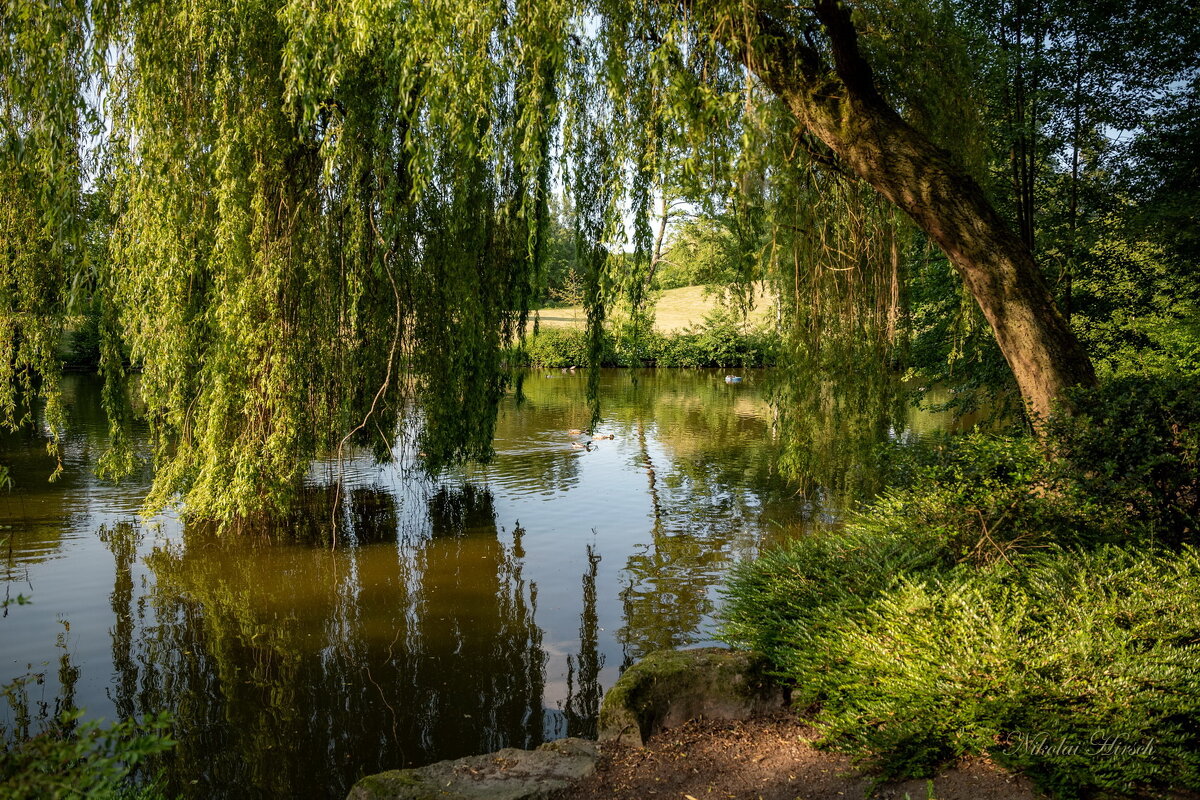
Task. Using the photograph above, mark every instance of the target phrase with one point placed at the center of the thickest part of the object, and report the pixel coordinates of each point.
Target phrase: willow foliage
(327, 219)
(43, 71)
(838, 254)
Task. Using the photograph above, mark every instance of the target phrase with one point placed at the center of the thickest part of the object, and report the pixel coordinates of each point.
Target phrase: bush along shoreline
(717, 343)
(1042, 610)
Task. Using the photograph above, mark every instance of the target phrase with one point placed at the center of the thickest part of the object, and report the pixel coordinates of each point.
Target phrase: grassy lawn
(676, 309)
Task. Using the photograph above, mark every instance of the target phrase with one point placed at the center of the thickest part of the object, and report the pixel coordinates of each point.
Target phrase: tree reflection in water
(293, 670)
(394, 661)
(584, 692)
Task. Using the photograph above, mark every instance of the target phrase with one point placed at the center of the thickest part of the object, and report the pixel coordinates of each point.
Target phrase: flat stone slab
(508, 774)
(670, 687)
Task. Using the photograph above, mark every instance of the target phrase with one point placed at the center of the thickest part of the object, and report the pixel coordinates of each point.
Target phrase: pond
(490, 608)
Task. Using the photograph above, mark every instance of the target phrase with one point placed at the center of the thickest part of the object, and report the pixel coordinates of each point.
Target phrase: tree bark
(843, 108)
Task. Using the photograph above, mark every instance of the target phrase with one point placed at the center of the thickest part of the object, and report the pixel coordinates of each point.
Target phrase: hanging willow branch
(325, 222)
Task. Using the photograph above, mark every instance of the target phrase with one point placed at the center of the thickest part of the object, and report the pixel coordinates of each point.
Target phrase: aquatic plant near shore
(71, 758)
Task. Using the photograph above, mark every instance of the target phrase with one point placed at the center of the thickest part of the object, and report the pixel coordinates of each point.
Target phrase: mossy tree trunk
(841, 106)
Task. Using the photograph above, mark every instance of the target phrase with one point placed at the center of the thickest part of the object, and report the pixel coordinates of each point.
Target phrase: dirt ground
(766, 758)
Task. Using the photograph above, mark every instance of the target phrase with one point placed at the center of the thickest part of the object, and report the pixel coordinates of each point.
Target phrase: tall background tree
(1072, 95)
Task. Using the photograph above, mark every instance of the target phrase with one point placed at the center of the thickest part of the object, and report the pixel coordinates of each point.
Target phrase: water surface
(489, 609)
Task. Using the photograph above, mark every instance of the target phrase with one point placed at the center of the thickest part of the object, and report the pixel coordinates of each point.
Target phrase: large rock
(507, 774)
(670, 687)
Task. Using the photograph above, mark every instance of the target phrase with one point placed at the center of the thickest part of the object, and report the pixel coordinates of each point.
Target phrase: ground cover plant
(1034, 601)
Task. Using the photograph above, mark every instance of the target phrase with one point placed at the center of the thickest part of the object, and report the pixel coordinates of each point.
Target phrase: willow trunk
(845, 111)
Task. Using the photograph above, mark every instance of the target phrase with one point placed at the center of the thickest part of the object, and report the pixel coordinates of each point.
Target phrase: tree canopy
(321, 223)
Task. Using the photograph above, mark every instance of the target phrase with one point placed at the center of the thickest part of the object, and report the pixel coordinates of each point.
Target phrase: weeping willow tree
(329, 218)
(43, 73)
(838, 254)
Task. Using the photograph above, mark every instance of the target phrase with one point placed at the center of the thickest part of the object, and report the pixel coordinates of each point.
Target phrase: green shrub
(75, 760)
(720, 342)
(561, 347)
(1135, 443)
(1037, 665)
(81, 343)
(980, 498)
(1045, 612)
(972, 501)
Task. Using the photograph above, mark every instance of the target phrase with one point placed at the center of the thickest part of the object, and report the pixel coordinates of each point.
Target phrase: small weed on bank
(74, 759)
(48, 755)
